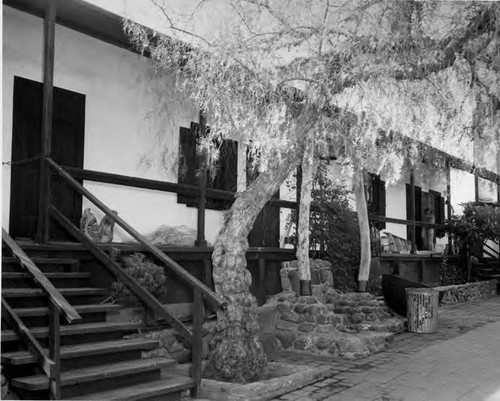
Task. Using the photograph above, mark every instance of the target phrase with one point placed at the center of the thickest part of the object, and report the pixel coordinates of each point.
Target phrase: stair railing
(49, 363)
(490, 251)
(201, 292)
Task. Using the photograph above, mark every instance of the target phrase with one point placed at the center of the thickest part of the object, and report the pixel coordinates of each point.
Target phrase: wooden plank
(139, 291)
(197, 347)
(160, 389)
(262, 281)
(36, 292)
(84, 349)
(174, 266)
(93, 373)
(182, 189)
(405, 222)
(69, 313)
(201, 177)
(49, 23)
(31, 342)
(54, 353)
(77, 329)
(413, 234)
(448, 200)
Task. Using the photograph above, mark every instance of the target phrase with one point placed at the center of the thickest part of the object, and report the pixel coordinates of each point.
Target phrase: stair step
(37, 292)
(78, 376)
(90, 308)
(166, 385)
(85, 349)
(49, 275)
(74, 264)
(84, 328)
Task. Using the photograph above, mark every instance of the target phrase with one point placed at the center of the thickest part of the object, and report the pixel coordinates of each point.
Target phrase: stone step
(94, 373)
(166, 385)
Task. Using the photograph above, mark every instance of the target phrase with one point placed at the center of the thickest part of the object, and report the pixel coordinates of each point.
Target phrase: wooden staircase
(99, 359)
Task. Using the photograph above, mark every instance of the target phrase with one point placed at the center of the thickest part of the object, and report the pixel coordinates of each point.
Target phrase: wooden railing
(492, 252)
(201, 291)
(58, 305)
(408, 223)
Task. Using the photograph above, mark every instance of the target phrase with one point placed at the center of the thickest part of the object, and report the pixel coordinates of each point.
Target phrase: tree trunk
(237, 353)
(364, 229)
(308, 168)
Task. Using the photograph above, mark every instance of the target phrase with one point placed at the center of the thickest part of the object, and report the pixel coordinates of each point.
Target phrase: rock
(176, 235)
(303, 343)
(283, 307)
(267, 318)
(286, 338)
(300, 308)
(336, 319)
(322, 342)
(285, 325)
(306, 327)
(310, 318)
(290, 317)
(271, 344)
(324, 328)
(357, 318)
(315, 309)
(323, 319)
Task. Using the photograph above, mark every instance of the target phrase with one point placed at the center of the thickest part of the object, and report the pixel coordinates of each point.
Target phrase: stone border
(461, 293)
(265, 389)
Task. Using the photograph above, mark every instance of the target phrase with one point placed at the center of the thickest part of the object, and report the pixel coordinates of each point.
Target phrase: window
(376, 198)
(226, 168)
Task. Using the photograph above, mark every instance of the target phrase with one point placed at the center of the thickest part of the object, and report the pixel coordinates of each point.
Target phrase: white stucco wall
(128, 129)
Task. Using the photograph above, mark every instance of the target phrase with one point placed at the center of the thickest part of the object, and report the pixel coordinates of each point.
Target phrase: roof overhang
(80, 16)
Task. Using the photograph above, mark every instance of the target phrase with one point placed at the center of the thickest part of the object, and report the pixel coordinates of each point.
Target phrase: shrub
(146, 273)
(477, 224)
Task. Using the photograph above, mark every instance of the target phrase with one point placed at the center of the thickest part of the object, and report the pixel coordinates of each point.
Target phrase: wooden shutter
(381, 204)
(187, 160)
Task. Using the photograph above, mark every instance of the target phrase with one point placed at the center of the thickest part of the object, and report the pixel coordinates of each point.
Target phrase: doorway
(68, 131)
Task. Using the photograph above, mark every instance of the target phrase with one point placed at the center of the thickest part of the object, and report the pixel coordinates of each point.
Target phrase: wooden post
(42, 234)
(298, 183)
(476, 185)
(413, 230)
(200, 228)
(201, 177)
(198, 318)
(448, 200)
(54, 352)
(262, 281)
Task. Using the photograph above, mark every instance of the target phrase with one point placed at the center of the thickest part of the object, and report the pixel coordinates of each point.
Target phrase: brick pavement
(460, 362)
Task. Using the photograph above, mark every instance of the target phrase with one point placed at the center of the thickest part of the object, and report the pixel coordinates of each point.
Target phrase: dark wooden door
(67, 149)
(418, 214)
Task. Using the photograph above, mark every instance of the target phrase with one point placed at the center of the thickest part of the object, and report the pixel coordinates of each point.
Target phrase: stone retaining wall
(350, 325)
(455, 294)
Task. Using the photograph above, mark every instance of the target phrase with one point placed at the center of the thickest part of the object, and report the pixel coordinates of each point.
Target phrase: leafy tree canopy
(271, 72)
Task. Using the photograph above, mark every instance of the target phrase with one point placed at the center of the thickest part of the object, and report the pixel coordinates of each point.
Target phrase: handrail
(145, 296)
(406, 222)
(493, 253)
(157, 185)
(210, 295)
(69, 313)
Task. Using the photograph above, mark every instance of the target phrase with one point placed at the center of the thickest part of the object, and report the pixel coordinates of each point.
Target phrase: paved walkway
(461, 362)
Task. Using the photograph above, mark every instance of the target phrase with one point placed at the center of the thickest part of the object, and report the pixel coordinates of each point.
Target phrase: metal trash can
(422, 310)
